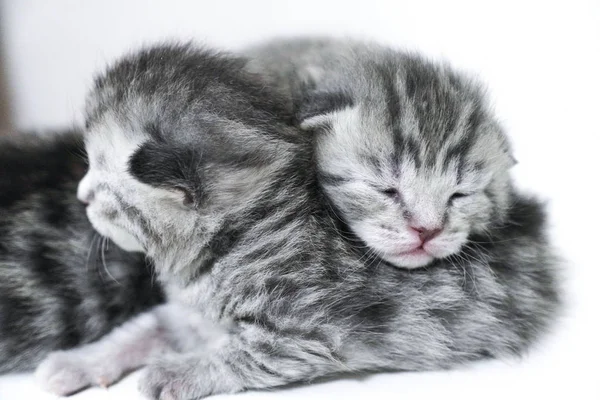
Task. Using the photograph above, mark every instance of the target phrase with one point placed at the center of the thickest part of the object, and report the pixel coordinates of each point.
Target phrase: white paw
(66, 372)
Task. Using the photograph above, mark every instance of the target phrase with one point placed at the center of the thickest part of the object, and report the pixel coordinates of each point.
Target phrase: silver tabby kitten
(194, 160)
(407, 150)
(61, 284)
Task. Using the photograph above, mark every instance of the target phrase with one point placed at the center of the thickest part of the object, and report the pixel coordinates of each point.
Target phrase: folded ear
(166, 167)
(317, 107)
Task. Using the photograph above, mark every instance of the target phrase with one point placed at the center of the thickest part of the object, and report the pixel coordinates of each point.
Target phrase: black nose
(426, 234)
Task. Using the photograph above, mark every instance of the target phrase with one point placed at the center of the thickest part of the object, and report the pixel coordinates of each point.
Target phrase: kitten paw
(174, 380)
(66, 372)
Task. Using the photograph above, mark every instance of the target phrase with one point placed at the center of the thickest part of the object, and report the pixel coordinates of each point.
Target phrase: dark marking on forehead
(457, 152)
(387, 77)
(412, 150)
(418, 76)
(461, 149)
(451, 121)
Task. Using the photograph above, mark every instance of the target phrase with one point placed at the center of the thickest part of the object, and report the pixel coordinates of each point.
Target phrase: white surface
(540, 59)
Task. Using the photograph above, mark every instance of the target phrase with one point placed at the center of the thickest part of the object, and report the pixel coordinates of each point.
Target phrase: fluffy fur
(407, 150)
(194, 160)
(61, 284)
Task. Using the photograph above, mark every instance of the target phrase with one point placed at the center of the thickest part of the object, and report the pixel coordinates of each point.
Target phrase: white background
(540, 60)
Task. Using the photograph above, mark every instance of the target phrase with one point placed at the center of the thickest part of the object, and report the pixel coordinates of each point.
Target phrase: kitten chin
(120, 236)
(410, 259)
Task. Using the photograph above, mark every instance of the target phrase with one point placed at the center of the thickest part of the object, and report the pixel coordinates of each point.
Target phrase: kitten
(61, 284)
(407, 150)
(195, 161)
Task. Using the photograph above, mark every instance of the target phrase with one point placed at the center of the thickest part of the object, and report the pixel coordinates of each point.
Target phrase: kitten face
(106, 187)
(136, 215)
(177, 141)
(414, 170)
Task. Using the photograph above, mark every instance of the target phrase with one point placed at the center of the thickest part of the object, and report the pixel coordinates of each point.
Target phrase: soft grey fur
(194, 161)
(61, 284)
(402, 144)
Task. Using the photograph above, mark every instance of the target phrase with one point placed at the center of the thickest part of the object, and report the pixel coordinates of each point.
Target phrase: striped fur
(401, 142)
(195, 161)
(61, 284)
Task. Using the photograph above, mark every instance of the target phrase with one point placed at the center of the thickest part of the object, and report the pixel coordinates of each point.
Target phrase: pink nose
(426, 234)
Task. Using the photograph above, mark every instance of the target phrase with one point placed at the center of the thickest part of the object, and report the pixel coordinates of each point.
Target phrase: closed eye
(458, 195)
(390, 192)
(188, 198)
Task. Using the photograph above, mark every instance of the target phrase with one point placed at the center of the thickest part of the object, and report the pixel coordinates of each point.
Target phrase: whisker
(153, 273)
(462, 261)
(95, 237)
(103, 249)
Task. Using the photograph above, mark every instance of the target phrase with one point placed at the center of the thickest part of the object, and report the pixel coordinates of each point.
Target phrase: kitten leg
(252, 359)
(101, 363)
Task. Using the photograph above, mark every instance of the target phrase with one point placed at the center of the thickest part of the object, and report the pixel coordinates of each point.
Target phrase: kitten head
(411, 157)
(177, 139)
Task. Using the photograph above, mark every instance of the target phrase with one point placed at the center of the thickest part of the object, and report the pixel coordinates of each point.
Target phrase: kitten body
(196, 161)
(61, 284)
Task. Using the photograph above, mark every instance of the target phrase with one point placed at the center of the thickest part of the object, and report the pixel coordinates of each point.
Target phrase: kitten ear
(171, 168)
(316, 108)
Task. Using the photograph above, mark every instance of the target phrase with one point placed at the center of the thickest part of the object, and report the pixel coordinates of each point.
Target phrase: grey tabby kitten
(407, 150)
(61, 284)
(193, 160)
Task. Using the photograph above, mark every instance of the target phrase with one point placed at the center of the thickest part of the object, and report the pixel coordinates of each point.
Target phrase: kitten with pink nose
(408, 151)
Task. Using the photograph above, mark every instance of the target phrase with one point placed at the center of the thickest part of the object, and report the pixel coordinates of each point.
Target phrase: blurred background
(540, 60)
(5, 117)
(53, 48)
